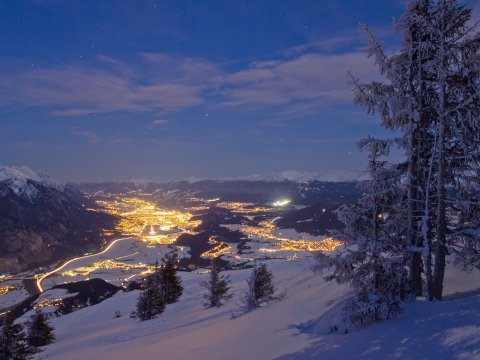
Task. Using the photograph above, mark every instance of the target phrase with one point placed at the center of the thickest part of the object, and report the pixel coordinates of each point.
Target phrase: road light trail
(126, 256)
(40, 279)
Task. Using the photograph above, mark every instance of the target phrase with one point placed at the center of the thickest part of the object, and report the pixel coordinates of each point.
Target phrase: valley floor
(295, 328)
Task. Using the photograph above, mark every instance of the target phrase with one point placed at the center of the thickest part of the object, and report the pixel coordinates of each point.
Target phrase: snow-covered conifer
(40, 332)
(170, 281)
(13, 342)
(217, 286)
(151, 302)
(260, 288)
(415, 212)
(371, 259)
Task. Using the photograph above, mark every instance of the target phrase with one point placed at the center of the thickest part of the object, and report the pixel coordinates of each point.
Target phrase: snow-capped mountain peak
(21, 179)
(304, 176)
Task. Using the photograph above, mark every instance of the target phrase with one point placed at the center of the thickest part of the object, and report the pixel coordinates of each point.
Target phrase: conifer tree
(13, 342)
(143, 308)
(416, 212)
(217, 286)
(456, 69)
(151, 302)
(371, 259)
(260, 288)
(432, 98)
(171, 282)
(405, 103)
(40, 332)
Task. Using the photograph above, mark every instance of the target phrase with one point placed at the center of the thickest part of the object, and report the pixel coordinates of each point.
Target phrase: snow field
(295, 328)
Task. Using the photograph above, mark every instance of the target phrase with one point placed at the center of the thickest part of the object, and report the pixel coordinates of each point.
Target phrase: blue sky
(115, 90)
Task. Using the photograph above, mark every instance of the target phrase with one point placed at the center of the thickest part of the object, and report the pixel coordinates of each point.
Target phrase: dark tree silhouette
(151, 302)
(13, 342)
(40, 332)
(217, 286)
(170, 281)
(260, 288)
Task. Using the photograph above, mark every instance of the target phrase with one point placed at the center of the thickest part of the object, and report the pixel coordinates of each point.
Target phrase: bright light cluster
(104, 265)
(138, 217)
(281, 203)
(220, 249)
(6, 289)
(327, 244)
(243, 208)
(266, 231)
(48, 303)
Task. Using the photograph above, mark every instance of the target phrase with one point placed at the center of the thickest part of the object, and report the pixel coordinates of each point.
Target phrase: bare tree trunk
(412, 224)
(441, 250)
(427, 241)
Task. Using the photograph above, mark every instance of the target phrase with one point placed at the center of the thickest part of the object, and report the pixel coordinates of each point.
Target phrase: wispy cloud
(91, 136)
(330, 44)
(107, 86)
(300, 85)
(300, 81)
(157, 124)
(163, 67)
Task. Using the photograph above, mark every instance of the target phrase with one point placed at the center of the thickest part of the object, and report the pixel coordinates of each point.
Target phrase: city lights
(142, 218)
(48, 303)
(267, 229)
(105, 265)
(6, 289)
(244, 208)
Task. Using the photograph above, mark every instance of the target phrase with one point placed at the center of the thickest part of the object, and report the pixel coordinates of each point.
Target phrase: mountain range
(42, 220)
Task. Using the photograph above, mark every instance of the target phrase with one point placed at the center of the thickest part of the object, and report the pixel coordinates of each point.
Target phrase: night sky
(161, 90)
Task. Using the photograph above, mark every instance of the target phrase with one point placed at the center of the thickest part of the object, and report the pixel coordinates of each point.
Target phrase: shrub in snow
(333, 329)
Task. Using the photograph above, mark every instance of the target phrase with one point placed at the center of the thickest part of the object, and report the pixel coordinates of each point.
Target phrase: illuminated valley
(237, 232)
(152, 231)
(142, 218)
(268, 231)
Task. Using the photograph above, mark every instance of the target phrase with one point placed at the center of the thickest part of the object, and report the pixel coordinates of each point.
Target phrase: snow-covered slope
(294, 328)
(22, 179)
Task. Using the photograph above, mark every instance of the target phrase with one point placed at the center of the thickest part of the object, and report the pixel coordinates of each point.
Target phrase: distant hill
(42, 220)
(313, 202)
(257, 191)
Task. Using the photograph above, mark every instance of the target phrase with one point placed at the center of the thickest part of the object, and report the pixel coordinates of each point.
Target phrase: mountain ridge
(42, 220)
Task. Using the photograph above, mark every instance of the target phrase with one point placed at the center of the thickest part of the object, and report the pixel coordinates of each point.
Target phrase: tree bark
(440, 249)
